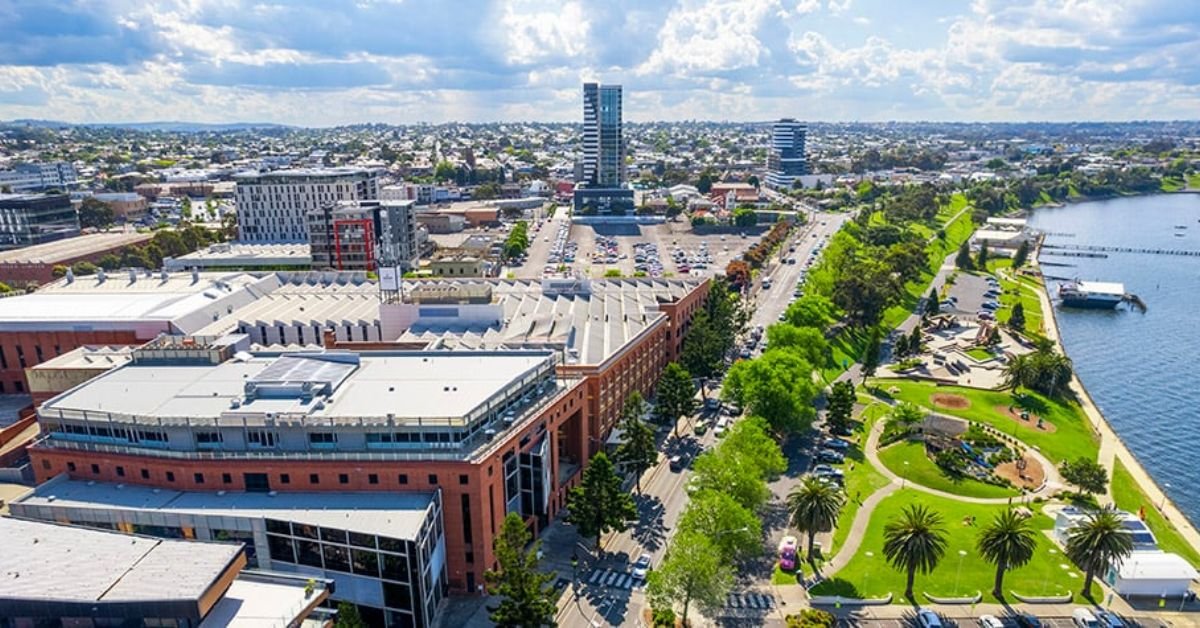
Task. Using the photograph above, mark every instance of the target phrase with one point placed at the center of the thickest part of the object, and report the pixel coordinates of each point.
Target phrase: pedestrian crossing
(611, 578)
(750, 601)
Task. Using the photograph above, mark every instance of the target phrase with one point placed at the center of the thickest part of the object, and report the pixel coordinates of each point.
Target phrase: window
(343, 478)
(226, 478)
(285, 478)
(373, 478)
(322, 440)
(145, 474)
(463, 479)
(470, 557)
(120, 471)
(314, 478)
(205, 440)
(198, 477)
(95, 469)
(433, 478)
(403, 479)
(170, 476)
(365, 562)
(46, 464)
(260, 439)
(281, 548)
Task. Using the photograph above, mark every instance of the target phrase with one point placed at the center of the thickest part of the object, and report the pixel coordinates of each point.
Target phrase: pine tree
(1022, 254)
(841, 404)
(915, 340)
(599, 504)
(963, 259)
(676, 395)
(1016, 319)
(527, 597)
(982, 260)
(932, 305)
(638, 450)
(870, 358)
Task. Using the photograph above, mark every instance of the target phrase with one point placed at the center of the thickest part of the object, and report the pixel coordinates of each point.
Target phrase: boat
(1181, 226)
(1094, 295)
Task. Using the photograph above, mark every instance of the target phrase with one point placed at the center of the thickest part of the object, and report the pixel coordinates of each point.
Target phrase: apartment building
(274, 206)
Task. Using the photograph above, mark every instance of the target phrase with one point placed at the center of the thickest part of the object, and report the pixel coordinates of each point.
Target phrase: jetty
(1066, 249)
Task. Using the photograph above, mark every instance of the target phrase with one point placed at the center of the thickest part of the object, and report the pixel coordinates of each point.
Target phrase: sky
(333, 62)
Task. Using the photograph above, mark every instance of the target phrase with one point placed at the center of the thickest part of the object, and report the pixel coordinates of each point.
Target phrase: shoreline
(1112, 447)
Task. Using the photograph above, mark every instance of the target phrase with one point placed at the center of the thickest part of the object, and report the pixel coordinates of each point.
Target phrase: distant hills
(174, 127)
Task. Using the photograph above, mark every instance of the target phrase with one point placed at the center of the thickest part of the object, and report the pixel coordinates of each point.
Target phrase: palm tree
(1098, 543)
(914, 541)
(1008, 542)
(814, 507)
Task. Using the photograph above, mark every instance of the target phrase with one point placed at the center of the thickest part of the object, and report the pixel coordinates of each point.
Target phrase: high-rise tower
(603, 145)
(786, 160)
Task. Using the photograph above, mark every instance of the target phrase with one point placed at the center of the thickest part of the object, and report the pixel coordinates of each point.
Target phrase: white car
(928, 619)
(641, 567)
(1084, 618)
(990, 621)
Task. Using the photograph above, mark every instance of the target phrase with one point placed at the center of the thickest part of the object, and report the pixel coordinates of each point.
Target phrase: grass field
(869, 575)
(1073, 437)
(1024, 290)
(1172, 184)
(1128, 496)
(1193, 181)
(979, 353)
(907, 459)
(861, 481)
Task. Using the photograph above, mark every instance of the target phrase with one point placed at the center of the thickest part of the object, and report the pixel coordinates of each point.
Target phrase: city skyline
(845, 60)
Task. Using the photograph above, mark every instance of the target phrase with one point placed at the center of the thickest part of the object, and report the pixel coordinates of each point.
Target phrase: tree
(870, 356)
(753, 180)
(982, 260)
(599, 504)
(83, 268)
(348, 616)
(58, 270)
(527, 596)
(932, 304)
(1008, 542)
(732, 527)
(914, 541)
(1045, 370)
(915, 339)
(1022, 254)
(741, 464)
(812, 310)
(185, 209)
(812, 618)
(95, 214)
(692, 572)
(841, 404)
(744, 217)
(1016, 318)
(813, 506)
(444, 171)
(777, 387)
(704, 185)
(1086, 474)
(638, 451)
(807, 342)
(1098, 543)
(676, 396)
(963, 260)
(704, 349)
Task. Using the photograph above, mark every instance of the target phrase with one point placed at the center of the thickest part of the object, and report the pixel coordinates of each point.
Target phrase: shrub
(812, 618)
(664, 617)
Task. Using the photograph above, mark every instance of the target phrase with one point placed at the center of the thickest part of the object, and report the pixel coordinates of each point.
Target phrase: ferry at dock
(1091, 294)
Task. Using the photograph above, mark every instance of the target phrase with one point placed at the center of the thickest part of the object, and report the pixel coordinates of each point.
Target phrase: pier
(1068, 248)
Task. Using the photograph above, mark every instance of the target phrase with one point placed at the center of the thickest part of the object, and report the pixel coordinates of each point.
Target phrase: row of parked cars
(1081, 617)
(563, 250)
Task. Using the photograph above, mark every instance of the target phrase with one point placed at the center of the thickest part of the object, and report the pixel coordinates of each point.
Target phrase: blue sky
(328, 62)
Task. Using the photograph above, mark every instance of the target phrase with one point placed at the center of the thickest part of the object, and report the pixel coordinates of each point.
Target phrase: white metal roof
(1102, 287)
(46, 561)
(1155, 565)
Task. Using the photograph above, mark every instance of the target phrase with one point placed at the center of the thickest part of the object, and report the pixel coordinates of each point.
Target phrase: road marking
(596, 574)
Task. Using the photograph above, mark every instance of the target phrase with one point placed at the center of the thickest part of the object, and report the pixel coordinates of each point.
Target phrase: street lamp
(867, 577)
(961, 555)
(1163, 502)
(904, 478)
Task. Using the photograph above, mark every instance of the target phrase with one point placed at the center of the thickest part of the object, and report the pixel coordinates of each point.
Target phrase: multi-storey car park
(477, 399)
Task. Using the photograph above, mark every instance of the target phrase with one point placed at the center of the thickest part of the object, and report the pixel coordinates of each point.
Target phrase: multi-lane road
(770, 303)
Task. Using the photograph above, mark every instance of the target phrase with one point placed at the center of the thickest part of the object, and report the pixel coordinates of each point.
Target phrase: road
(769, 304)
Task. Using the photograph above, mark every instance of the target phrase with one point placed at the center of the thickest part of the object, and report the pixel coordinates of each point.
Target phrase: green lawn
(961, 575)
(861, 481)
(1073, 436)
(1172, 184)
(907, 459)
(1193, 181)
(979, 353)
(1128, 496)
(779, 576)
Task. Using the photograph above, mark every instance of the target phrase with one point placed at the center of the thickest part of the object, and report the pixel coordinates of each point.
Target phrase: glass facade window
(365, 563)
(309, 553)
(337, 557)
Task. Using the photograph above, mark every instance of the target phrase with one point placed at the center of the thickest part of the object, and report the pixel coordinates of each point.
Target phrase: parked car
(676, 463)
(641, 567)
(829, 455)
(835, 443)
(990, 621)
(1109, 619)
(701, 427)
(928, 619)
(1084, 618)
(1027, 620)
(722, 425)
(788, 553)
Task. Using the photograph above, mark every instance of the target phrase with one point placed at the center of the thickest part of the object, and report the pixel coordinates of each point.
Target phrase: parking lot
(972, 296)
